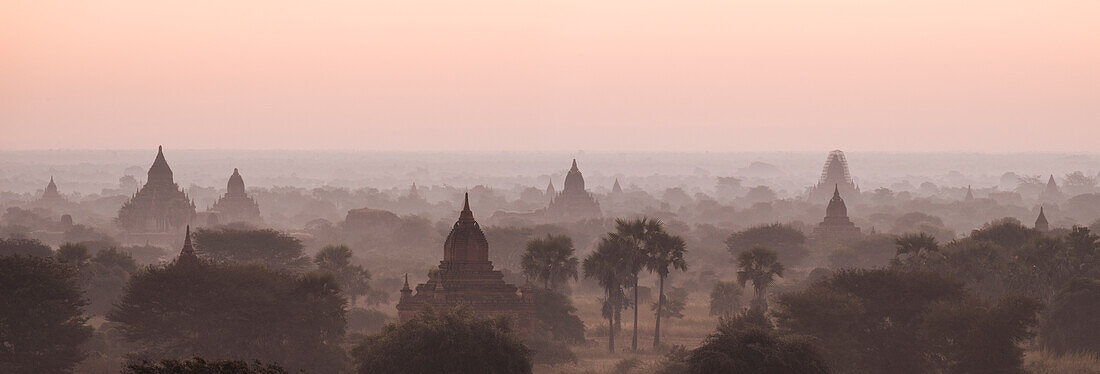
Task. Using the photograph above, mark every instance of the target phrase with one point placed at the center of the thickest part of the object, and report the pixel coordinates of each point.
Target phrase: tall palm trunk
(610, 326)
(660, 305)
(634, 340)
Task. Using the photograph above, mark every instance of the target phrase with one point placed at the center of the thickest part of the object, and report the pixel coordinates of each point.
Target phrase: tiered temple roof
(1051, 194)
(160, 205)
(836, 227)
(835, 173)
(465, 276)
(573, 202)
(236, 205)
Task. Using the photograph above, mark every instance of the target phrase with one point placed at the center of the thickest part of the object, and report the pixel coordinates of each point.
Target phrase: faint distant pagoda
(1051, 193)
(836, 227)
(573, 202)
(835, 174)
(236, 205)
(160, 205)
(51, 197)
(466, 277)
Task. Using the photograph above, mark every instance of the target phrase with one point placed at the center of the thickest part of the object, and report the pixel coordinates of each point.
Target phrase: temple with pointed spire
(236, 205)
(573, 202)
(836, 174)
(187, 254)
(51, 197)
(550, 191)
(1041, 223)
(616, 189)
(969, 194)
(466, 277)
(836, 227)
(160, 205)
(1051, 193)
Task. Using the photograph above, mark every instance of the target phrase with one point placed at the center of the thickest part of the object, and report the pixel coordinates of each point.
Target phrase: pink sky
(720, 76)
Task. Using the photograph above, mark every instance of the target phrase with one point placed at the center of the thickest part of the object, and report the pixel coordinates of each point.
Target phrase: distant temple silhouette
(466, 277)
(1041, 223)
(51, 198)
(236, 205)
(160, 205)
(1051, 193)
(835, 174)
(836, 227)
(573, 203)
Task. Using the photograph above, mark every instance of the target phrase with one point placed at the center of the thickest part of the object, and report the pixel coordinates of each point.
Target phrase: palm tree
(760, 266)
(550, 260)
(634, 235)
(606, 265)
(664, 252)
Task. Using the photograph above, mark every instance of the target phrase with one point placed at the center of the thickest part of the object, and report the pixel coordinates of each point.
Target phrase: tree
(606, 266)
(894, 321)
(550, 261)
(663, 253)
(913, 244)
(731, 349)
(788, 243)
(41, 318)
(104, 277)
(198, 365)
(26, 247)
(725, 298)
(1071, 324)
(1006, 232)
(452, 341)
(74, 254)
(234, 311)
(635, 237)
(673, 307)
(557, 317)
(354, 279)
(760, 266)
(269, 247)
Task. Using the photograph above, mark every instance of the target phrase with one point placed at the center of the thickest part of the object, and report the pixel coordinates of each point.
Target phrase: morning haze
(566, 187)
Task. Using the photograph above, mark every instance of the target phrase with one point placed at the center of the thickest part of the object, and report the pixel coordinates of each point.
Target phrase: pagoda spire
(188, 251)
(466, 214)
(1041, 223)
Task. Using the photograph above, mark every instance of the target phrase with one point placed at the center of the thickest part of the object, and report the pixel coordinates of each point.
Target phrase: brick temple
(466, 277)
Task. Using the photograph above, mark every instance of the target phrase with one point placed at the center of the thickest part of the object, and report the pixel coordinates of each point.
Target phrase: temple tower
(835, 173)
(160, 205)
(236, 205)
(1041, 223)
(573, 202)
(465, 276)
(1051, 193)
(836, 227)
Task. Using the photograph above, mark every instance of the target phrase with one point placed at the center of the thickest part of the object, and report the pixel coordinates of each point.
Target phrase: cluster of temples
(572, 203)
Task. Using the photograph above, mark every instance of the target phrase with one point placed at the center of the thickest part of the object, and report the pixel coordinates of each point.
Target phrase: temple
(616, 189)
(466, 277)
(236, 205)
(573, 202)
(969, 194)
(160, 205)
(51, 198)
(836, 227)
(836, 174)
(187, 254)
(550, 191)
(1051, 194)
(1041, 223)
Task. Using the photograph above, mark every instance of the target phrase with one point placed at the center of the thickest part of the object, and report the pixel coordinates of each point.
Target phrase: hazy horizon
(923, 76)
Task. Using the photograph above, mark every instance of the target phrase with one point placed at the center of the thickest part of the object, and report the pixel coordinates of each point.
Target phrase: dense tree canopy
(788, 242)
(739, 346)
(41, 316)
(354, 279)
(269, 247)
(444, 342)
(1072, 321)
(198, 365)
(893, 321)
(26, 247)
(234, 311)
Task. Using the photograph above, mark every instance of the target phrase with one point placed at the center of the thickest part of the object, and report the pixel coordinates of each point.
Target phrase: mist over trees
(722, 269)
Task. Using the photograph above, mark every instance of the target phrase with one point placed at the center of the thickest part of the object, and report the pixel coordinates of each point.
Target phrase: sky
(666, 76)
